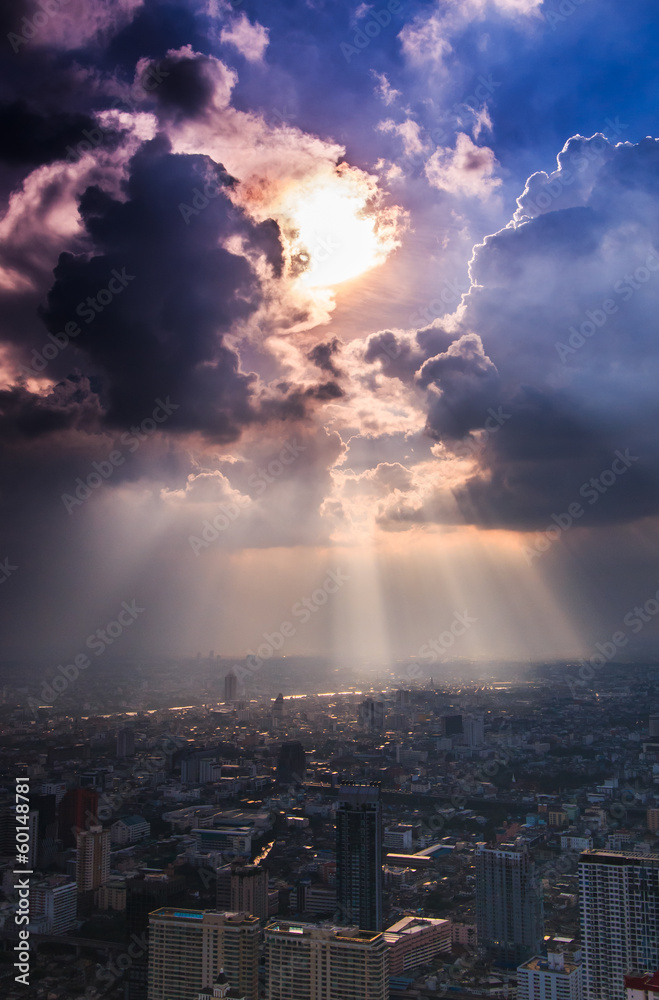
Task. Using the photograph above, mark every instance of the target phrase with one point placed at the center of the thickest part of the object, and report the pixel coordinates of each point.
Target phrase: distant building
(249, 890)
(129, 830)
(371, 714)
(473, 730)
(126, 742)
(416, 941)
(278, 711)
(308, 962)
(230, 687)
(399, 837)
(452, 725)
(291, 763)
(93, 859)
(509, 910)
(359, 856)
(53, 904)
(619, 900)
(144, 894)
(653, 726)
(551, 978)
(77, 811)
(653, 820)
(570, 842)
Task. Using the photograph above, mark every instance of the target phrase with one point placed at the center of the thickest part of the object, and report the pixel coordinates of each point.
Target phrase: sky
(329, 327)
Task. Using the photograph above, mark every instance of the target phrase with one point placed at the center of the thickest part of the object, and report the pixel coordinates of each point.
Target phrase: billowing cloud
(251, 40)
(466, 170)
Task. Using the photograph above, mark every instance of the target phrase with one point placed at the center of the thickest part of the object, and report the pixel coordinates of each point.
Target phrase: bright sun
(335, 240)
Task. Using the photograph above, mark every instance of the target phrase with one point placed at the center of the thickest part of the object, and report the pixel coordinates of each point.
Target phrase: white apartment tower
(93, 858)
(619, 901)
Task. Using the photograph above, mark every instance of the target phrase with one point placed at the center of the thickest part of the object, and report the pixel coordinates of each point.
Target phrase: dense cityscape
(490, 839)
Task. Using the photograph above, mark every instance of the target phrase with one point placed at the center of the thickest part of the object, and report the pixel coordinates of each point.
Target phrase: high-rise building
(278, 711)
(308, 962)
(53, 905)
(473, 730)
(452, 725)
(291, 763)
(187, 949)
(230, 686)
(552, 978)
(249, 890)
(509, 911)
(653, 726)
(359, 856)
(619, 900)
(145, 893)
(77, 811)
(126, 741)
(93, 858)
(371, 714)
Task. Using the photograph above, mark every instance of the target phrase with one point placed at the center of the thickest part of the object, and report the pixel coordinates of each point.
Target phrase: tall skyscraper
(509, 910)
(619, 900)
(187, 949)
(308, 962)
(371, 714)
(291, 763)
(230, 686)
(359, 856)
(93, 858)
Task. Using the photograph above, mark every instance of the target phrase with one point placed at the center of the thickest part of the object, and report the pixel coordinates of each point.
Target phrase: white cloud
(251, 40)
(467, 170)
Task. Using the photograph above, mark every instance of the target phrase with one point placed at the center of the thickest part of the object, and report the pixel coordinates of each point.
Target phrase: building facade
(188, 948)
(308, 962)
(619, 902)
(359, 856)
(509, 910)
(93, 859)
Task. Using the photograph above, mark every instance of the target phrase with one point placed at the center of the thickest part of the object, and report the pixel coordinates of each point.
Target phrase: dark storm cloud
(323, 356)
(173, 290)
(30, 138)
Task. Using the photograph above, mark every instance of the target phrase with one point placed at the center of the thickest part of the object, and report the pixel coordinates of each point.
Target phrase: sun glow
(335, 240)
